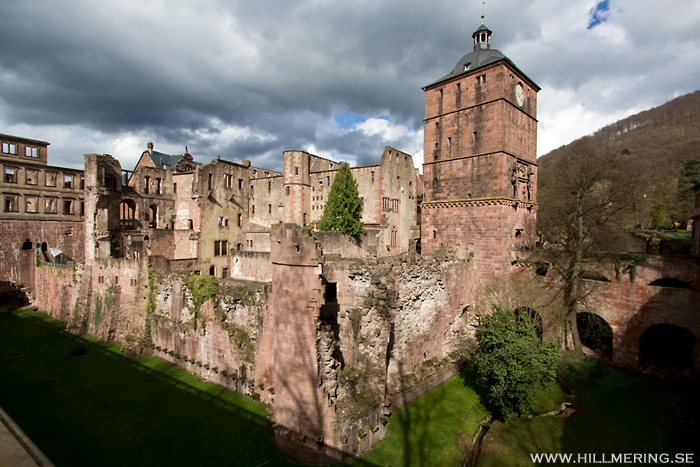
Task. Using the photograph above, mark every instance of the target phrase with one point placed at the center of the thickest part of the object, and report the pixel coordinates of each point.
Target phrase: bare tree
(580, 197)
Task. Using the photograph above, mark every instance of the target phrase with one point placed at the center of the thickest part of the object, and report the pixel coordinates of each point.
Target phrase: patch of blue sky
(347, 120)
(599, 14)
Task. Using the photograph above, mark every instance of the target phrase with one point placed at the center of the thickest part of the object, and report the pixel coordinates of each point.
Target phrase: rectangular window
(174, 187)
(51, 206)
(82, 183)
(252, 191)
(372, 177)
(296, 170)
(31, 152)
(67, 181)
(157, 186)
(210, 184)
(228, 180)
(11, 204)
(50, 179)
(252, 211)
(224, 273)
(10, 175)
(287, 190)
(31, 204)
(269, 209)
(221, 221)
(220, 248)
(328, 180)
(240, 219)
(240, 183)
(146, 184)
(9, 148)
(68, 207)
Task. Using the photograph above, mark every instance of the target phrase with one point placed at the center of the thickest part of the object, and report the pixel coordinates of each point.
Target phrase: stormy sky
(342, 79)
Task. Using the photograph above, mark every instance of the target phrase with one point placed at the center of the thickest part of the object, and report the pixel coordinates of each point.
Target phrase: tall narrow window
(146, 184)
(10, 175)
(67, 181)
(372, 177)
(211, 181)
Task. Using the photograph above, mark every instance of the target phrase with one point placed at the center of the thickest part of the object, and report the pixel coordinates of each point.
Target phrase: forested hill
(665, 136)
(660, 149)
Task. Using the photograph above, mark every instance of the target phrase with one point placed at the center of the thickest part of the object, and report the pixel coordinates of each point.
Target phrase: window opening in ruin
(252, 191)
(190, 224)
(287, 190)
(435, 182)
(212, 271)
(10, 175)
(27, 245)
(31, 204)
(11, 203)
(228, 180)
(224, 273)
(267, 174)
(440, 93)
(31, 177)
(296, 170)
(252, 209)
(474, 135)
(146, 183)
(304, 221)
(8, 148)
(434, 233)
(240, 219)
(240, 183)
(328, 180)
(67, 206)
(221, 221)
(238, 246)
(174, 187)
(50, 179)
(67, 181)
(220, 247)
(82, 183)
(210, 182)
(50, 206)
(154, 216)
(269, 186)
(459, 87)
(82, 208)
(158, 186)
(269, 209)
(372, 177)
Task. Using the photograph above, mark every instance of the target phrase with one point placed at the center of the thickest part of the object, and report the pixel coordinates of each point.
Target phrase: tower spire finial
(483, 6)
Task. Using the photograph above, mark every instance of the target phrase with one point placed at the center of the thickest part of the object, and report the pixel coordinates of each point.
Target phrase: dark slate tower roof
(482, 56)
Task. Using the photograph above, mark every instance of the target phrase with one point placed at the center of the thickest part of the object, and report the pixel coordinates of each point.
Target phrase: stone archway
(667, 348)
(596, 334)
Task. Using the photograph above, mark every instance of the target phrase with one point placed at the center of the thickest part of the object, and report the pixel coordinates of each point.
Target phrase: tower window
(296, 170)
(459, 87)
(372, 177)
(440, 93)
(435, 183)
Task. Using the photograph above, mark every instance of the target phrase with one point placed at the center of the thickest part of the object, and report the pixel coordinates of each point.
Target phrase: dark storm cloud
(248, 80)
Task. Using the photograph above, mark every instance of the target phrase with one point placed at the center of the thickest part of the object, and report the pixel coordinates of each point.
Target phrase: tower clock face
(519, 94)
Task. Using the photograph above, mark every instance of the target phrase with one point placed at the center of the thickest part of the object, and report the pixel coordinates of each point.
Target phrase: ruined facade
(42, 209)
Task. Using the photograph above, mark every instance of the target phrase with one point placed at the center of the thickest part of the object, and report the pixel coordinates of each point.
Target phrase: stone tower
(480, 167)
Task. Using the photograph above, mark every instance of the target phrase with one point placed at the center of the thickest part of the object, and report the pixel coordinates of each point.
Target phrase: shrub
(512, 362)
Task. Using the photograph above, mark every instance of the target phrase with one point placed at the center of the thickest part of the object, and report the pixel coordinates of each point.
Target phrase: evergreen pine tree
(344, 207)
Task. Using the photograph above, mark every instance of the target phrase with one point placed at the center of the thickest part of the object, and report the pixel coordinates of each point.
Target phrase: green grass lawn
(103, 409)
(426, 431)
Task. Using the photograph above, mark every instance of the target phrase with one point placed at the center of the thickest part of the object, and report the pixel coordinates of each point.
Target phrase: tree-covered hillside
(659, 151)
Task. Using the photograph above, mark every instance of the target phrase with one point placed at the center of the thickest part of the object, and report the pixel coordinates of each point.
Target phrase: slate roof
(479, 58)
(161, 160)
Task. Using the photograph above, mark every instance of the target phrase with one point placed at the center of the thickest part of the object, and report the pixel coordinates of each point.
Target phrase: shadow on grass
(96, 407)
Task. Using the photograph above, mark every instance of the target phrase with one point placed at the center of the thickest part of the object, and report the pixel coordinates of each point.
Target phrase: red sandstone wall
(63, 235)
